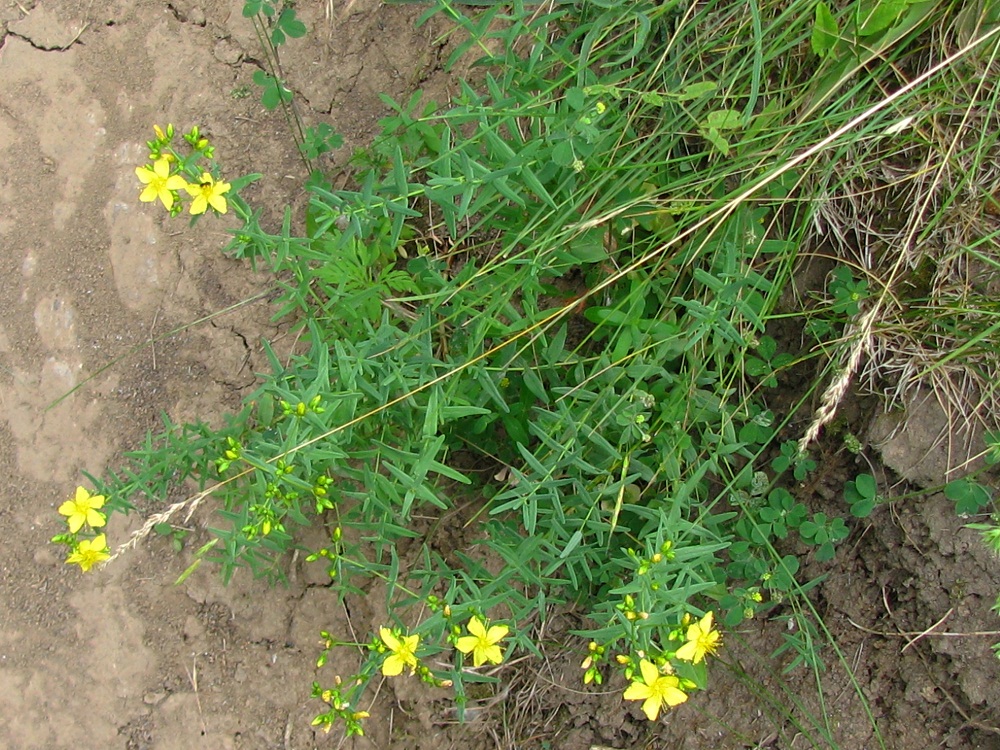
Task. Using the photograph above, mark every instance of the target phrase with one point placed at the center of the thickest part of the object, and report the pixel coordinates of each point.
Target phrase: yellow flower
(483, 643)
(89, 552)
(701, 640)
(404, 652)
(655, 690)
(207, 193)
(82, 509)
(159, 182)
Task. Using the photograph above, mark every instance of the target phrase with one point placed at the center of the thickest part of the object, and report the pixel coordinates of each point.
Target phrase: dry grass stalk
(191, 504)
(836, 391)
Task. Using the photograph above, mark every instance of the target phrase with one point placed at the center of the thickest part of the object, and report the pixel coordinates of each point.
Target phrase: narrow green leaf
(572, 544)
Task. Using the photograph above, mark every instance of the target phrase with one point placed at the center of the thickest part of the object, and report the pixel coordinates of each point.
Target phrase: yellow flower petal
(497, 633)
(162, 168)
(706, 622)
(637, 691)
(404, 652)
(218, 203)
(651, 707)
(389, 638)
(487, 654)
(198, 205)
(466, 643)
(650, 673)
(176, 182)
(673, 696)
(393, 665)
(688, 652)
(149, 194)
(75, 522)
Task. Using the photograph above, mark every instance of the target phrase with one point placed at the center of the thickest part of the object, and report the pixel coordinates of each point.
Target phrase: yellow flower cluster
(161, 183)
(84, 510)
(658, 686)
(482, 642)
(702, 639)
(403, 652)
(655, 689)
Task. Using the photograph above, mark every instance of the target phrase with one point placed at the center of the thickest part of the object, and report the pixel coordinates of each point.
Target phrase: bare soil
(125, 659)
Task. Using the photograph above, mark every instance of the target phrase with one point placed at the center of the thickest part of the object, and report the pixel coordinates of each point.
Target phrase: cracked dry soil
(125, 659)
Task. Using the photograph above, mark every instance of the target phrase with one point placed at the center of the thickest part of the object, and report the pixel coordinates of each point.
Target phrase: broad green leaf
(825, 31)
(589, 246)
(722, 119)
(562, 153)
(291, 25)
(866, 485)
(721, 144)
(879, 16)
(576, 99)
(274, 93)
(969, 497)
(695, 91)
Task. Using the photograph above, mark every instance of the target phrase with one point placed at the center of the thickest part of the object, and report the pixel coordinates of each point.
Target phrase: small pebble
(226, 51)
